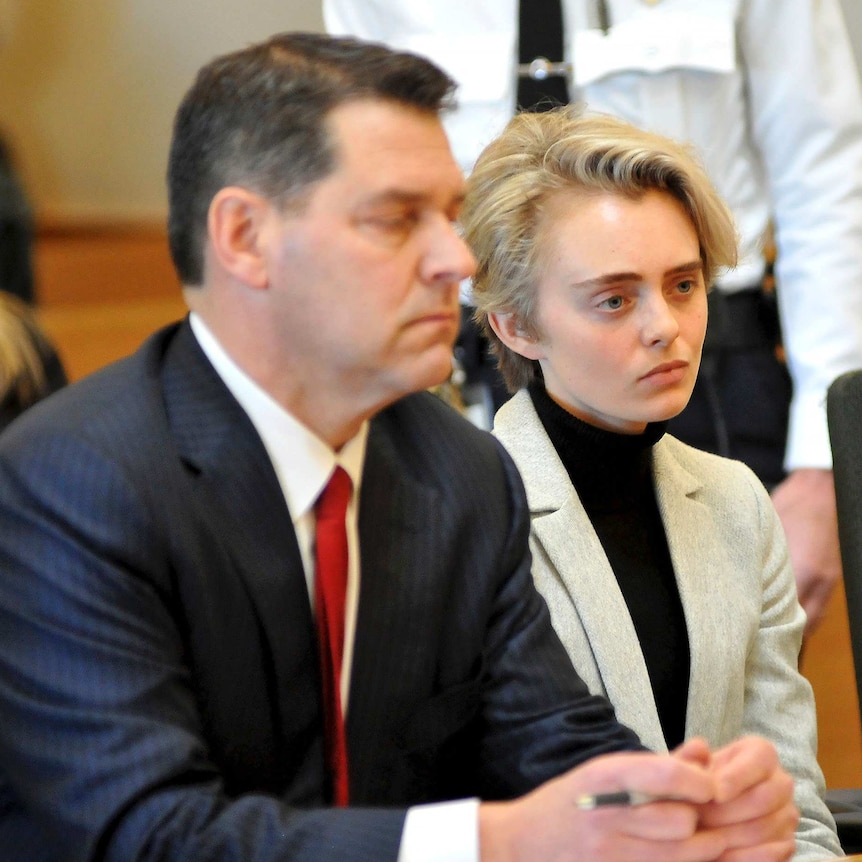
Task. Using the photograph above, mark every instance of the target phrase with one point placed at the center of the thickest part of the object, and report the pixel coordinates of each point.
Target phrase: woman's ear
(236, 223)
(514, 336)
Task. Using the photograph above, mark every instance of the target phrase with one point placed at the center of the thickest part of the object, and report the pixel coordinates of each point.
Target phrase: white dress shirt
(766, 90)
(303, 463)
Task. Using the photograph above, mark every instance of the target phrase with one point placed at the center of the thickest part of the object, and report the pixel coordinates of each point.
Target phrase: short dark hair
(257, 118)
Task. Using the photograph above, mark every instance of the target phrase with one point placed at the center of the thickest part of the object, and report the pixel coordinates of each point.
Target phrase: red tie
(330, 590)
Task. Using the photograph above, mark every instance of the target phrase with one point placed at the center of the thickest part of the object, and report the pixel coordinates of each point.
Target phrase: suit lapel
(596, 627)
(401, 603)
(237, 495)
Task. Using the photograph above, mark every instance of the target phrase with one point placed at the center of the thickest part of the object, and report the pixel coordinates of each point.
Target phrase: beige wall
(88, 89)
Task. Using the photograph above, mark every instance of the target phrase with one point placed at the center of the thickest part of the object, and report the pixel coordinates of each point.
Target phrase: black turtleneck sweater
(612, 474)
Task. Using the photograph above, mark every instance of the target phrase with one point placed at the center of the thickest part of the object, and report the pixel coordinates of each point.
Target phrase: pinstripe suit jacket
(158, 675)
(737, 591)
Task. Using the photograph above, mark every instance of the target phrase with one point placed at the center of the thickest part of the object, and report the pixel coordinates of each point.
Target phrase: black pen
(620, 797)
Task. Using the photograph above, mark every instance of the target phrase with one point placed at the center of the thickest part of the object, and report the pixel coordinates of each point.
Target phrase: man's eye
(391, 229)
(395, 222)
(686, 286)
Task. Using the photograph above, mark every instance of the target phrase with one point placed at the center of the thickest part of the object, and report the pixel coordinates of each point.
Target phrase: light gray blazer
(738, 595)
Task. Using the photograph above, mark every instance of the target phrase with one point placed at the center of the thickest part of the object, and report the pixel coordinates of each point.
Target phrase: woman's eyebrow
(616, 277)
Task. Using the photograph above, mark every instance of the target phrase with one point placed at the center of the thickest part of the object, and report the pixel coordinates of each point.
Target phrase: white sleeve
(375, 20)
(805, 111)
(444, 832)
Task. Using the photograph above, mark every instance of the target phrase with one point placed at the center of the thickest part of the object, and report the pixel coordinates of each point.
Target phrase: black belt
(542, 25)
(540, 35)
(541, 68)
(744, 320)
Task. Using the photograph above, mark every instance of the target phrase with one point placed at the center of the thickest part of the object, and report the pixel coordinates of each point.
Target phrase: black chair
(844, 413)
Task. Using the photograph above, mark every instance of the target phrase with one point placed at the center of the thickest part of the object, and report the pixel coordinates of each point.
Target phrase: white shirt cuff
(442, 832)
(808, 437)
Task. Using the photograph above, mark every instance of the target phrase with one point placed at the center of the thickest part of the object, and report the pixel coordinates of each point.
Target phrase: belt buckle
(541, 68)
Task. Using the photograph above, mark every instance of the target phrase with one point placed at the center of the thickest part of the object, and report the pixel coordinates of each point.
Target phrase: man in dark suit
(160, 687)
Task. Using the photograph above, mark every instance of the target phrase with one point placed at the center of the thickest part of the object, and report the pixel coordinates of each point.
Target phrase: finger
(694, 750)
(652, 774)
(705, 846)
(656, 821)
(779, 825)
(761, 800)
(776, 851)
(742, 765)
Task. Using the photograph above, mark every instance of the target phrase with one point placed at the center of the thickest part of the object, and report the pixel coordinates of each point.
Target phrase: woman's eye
(685, 286)
(612, 303)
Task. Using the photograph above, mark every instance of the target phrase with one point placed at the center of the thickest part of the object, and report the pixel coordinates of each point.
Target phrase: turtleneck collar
(609, 470)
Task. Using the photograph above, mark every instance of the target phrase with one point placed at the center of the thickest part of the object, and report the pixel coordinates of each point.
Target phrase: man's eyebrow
(406, 197)
(616, 277)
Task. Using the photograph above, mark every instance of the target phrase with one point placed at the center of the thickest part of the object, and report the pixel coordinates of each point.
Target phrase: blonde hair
(23, 351)
(541, 154)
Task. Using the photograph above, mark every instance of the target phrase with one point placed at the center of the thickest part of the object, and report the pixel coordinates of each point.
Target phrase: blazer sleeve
(779, 703)
(102, 750)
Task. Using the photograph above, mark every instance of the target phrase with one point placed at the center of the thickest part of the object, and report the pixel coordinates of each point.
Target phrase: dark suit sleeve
(487, 702)
(539, 716)
(102, 753)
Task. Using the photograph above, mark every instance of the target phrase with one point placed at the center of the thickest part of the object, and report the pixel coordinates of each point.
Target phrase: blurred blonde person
(29, 366)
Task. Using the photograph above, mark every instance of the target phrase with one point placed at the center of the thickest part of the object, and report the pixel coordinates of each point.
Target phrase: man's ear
(514, 336)
(236, 224)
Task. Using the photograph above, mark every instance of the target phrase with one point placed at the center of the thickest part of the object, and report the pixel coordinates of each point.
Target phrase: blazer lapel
(587, 606)
(697, 551)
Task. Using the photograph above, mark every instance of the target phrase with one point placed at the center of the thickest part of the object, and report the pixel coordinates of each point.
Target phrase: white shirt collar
(302, 461)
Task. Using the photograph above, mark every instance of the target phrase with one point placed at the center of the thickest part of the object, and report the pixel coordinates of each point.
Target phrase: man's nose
(448, 258)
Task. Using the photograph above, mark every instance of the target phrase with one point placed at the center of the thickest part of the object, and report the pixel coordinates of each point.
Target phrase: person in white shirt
(768, 92)
(163, 694)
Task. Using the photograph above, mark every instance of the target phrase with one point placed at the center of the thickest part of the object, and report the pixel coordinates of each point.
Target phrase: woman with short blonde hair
(665, 568)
